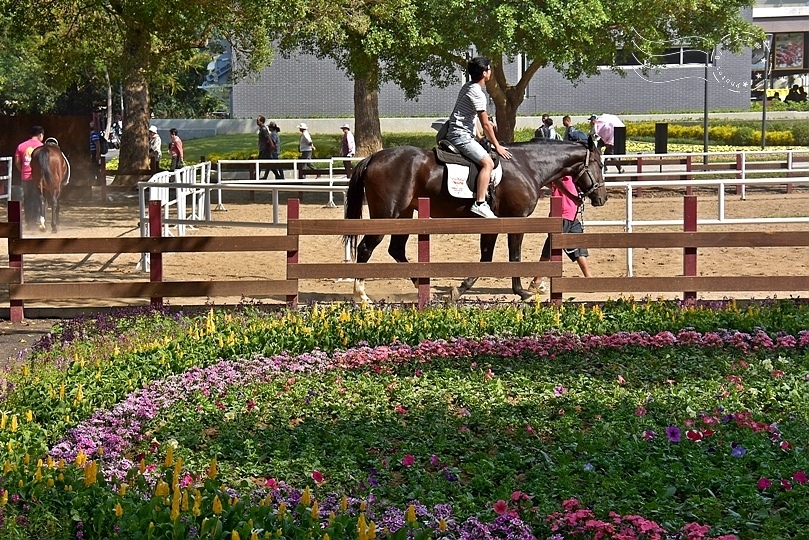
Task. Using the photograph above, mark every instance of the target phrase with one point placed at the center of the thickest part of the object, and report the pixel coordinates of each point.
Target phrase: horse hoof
(41, 227)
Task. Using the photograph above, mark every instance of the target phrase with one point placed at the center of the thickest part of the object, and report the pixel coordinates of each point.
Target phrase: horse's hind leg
(54, 212)
(364, 251)
(487, 242)
(42, 208)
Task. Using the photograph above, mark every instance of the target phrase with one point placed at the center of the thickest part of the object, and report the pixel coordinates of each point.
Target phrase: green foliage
(550, 422)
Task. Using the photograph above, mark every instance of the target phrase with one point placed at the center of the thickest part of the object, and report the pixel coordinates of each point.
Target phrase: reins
(585, 169)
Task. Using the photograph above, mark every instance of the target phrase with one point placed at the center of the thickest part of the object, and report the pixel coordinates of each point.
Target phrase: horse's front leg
(487, 242)
(54, 212)
(515, 255)
(398, 250)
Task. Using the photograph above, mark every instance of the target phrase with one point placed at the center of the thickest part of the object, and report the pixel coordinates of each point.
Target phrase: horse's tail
(354, 198)
(43, 158)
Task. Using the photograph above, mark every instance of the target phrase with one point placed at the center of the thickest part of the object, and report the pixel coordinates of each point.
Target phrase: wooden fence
(423, 270)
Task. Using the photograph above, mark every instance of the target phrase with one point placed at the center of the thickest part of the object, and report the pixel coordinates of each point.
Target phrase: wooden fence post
(739, 166)
(293, 212)
(556, 253)
(690, 253)
(424, 253)
(16, 307)
(156, 259)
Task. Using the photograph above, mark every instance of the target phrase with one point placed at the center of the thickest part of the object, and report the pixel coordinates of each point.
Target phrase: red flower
(401, 410)
(408, 460)
(317, 476)
(708, 432)
(785, 446)
(763, 483)
(272, 483)
(692, 435)
(640, 411)
(800, 477)
(500, 507)
(786, 484)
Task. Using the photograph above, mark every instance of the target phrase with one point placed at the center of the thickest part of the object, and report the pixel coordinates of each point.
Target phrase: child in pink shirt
(566, 189)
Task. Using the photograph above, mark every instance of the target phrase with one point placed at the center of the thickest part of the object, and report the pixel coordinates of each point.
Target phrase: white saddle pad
(456, 180)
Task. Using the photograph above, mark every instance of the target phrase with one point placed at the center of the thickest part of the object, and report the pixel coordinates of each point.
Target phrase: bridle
(585, 170)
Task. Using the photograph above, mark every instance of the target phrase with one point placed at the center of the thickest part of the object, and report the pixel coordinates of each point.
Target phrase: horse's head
(590, 178)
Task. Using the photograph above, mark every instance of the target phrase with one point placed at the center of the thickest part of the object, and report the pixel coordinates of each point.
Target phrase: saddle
(460, 173)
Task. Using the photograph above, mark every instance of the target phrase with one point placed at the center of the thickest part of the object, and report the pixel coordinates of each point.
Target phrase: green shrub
(744, 136)
(800, 133)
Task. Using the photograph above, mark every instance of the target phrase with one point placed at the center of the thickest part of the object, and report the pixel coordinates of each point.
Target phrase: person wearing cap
(275, 147)
(306, 146)
(348, 147)
(471, 104)
(155, 144)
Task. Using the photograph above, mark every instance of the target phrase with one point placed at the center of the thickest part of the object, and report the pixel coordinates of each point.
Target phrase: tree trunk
(108, 127)
(134, 156)
(367, 129)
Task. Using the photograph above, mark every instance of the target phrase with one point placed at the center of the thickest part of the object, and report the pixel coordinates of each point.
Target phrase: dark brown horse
(50, 170)
(392, 181)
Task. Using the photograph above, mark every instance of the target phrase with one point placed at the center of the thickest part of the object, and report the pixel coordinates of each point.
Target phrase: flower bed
(535, 422)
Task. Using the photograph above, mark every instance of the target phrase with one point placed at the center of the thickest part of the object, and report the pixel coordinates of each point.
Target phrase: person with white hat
(306, 146)
(348, 147)
(155, 144)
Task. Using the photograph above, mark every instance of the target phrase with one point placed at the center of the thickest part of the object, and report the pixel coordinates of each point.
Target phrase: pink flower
(519, 496)
(408, 460)
(434, 461)
(786, 484)
(621, 379)
(530, 429)
(272, 483)
(648, 435)
(186, 481)
(763, 483)
(800, 477)
(640, 411)
(785, 446)
(500, 507)
(317, 476)
(401, 410)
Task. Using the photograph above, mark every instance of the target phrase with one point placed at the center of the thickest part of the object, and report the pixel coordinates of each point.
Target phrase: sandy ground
(119, 217)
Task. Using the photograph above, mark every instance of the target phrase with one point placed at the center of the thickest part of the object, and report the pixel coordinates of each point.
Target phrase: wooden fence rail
(422, 270)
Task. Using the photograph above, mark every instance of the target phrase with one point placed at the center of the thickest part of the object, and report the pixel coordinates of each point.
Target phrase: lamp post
(708, 59)
(767, 49)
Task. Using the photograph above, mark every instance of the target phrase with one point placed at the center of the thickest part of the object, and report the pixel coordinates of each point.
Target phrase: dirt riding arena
(119, 217)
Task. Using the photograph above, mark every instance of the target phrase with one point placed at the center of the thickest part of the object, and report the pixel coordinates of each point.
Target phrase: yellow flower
(175, 505)
(38, 474)
(169, 457)
(306, 498)
(411, 514)
(197, 502)
(62, 392)
(90, 473)
(119, 511)
(4, 498)
(14, 424)
(26, 458)
(142, 466)
(371, 531)
(212, 469)
(161, 489)
(235, 536)
(79, 395)
(282, 509)
(254, 536)
(343, 504)
(362, 506)
(81, 458)
(122, 490)
(442, 525)
(49, 483)
(3, 420)
(29, 416)
(184, 505)
(217, 505)
(326, 536)
(315, 510)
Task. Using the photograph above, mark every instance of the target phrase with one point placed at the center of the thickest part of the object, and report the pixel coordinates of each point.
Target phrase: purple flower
(450, 476)
(559, 391)
(738, 450)
(673, 433)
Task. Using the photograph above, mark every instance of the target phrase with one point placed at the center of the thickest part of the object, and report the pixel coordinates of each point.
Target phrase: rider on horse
(471, 104)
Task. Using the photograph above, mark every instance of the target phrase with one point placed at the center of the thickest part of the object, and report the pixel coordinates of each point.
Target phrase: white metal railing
(5, 179)
(256, 166)
(797, 171)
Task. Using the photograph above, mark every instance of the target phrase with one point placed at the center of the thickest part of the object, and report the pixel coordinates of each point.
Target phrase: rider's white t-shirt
(471, 100)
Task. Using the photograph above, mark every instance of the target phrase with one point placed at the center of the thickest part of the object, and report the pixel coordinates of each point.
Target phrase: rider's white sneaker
(536, 288)
(482, 209)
